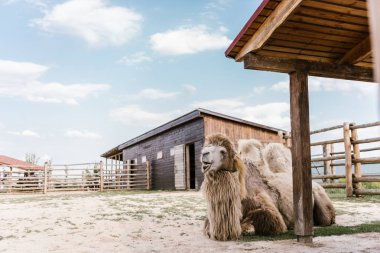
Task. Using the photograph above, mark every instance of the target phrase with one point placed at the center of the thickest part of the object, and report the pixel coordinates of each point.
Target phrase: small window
(172, 152)
(143, 159)
(159, 155)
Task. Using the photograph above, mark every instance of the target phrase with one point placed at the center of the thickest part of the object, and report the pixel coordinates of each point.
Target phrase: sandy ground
(147, 222)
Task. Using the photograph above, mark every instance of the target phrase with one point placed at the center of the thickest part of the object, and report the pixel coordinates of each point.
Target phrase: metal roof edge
(245, 28)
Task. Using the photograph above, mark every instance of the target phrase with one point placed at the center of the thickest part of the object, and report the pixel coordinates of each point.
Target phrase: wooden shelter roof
(328, 32)
(327, 38)
(15, 163)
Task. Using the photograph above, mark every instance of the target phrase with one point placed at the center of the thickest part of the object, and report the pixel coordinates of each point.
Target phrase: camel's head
(218, 154)
(250, 149)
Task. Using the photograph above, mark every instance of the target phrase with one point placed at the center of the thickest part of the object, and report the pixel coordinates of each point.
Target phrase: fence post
(128, 174)
(326, 164)
(348, 166)
(10, 180)
(357, 165)
(45, 177)
(147, 175)
(332, 167)
(101, 176)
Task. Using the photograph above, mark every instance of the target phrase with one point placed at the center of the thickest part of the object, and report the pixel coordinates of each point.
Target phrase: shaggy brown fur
(228, 207)
(273, 175)
(240, 194)
(262, 208)
(224, 189)
(263, 215)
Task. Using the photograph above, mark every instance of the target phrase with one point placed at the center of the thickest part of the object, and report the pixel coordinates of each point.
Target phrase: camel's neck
(222, 192)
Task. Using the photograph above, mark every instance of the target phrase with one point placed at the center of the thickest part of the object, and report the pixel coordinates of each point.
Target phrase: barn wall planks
(236, 131)
(163, 169)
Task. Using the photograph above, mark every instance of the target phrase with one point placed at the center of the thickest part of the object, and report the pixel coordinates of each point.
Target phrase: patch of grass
(371, 185)
(340, 194)
(320, 231)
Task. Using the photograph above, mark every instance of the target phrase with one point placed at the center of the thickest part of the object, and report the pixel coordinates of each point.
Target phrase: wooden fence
(349, 157)
(75, 177)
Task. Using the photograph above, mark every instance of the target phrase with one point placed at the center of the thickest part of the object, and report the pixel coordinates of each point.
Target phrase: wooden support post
(357, 165)
(45, 177)
(101, 176)
(147, 175)
(326, 164)
(301, 157)
(348, 166)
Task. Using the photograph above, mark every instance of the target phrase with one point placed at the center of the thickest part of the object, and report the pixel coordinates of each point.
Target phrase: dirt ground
(148, 222)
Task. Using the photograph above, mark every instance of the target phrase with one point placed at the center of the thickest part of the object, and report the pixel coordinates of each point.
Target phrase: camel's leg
(323, 211)
(206, 228)
(264, 216)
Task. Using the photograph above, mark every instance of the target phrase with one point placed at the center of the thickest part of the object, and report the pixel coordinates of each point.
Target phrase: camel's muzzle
(206, 166)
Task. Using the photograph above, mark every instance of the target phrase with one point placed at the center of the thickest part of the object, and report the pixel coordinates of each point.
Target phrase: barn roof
(330, 34)
(15, 163)
(198, 113)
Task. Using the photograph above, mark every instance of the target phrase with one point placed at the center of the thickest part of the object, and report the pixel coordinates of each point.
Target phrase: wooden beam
(321, 69)
(276, 18)
(302, 186)
(374, 18)
(358, 53)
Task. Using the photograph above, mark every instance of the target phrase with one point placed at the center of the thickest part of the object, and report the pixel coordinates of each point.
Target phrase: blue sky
(82, 76)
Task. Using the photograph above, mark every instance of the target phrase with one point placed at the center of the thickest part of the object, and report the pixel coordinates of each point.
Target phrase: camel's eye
(223, 152)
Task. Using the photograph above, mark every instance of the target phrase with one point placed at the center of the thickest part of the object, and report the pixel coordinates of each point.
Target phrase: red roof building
(15, 163)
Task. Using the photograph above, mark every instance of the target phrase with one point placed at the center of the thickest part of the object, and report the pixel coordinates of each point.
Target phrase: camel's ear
(239, 166)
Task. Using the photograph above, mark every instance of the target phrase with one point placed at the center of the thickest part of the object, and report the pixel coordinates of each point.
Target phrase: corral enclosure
(75, 177)
(341, 152)
(350, 152)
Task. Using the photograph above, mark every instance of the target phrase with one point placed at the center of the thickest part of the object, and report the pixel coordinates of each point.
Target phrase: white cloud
(135, 58)
(20, 79)
(26, 133)
(189, 89)
(317, 84)
(85, 134)
(134, 115)
(259, 90)
(18, 73)
(219, 104)
(281, 86)
(212, 8)
(189, 40)
(271, 114)
(157, 94)
(151, 93)
(94, 21)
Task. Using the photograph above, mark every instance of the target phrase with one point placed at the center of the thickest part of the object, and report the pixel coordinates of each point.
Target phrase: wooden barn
(173, 149)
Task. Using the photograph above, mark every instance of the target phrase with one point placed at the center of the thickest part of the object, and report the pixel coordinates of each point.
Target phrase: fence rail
(75, 177)
(349, 158)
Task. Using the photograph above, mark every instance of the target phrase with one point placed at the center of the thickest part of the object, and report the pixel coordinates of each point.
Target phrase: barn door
(179, 167)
